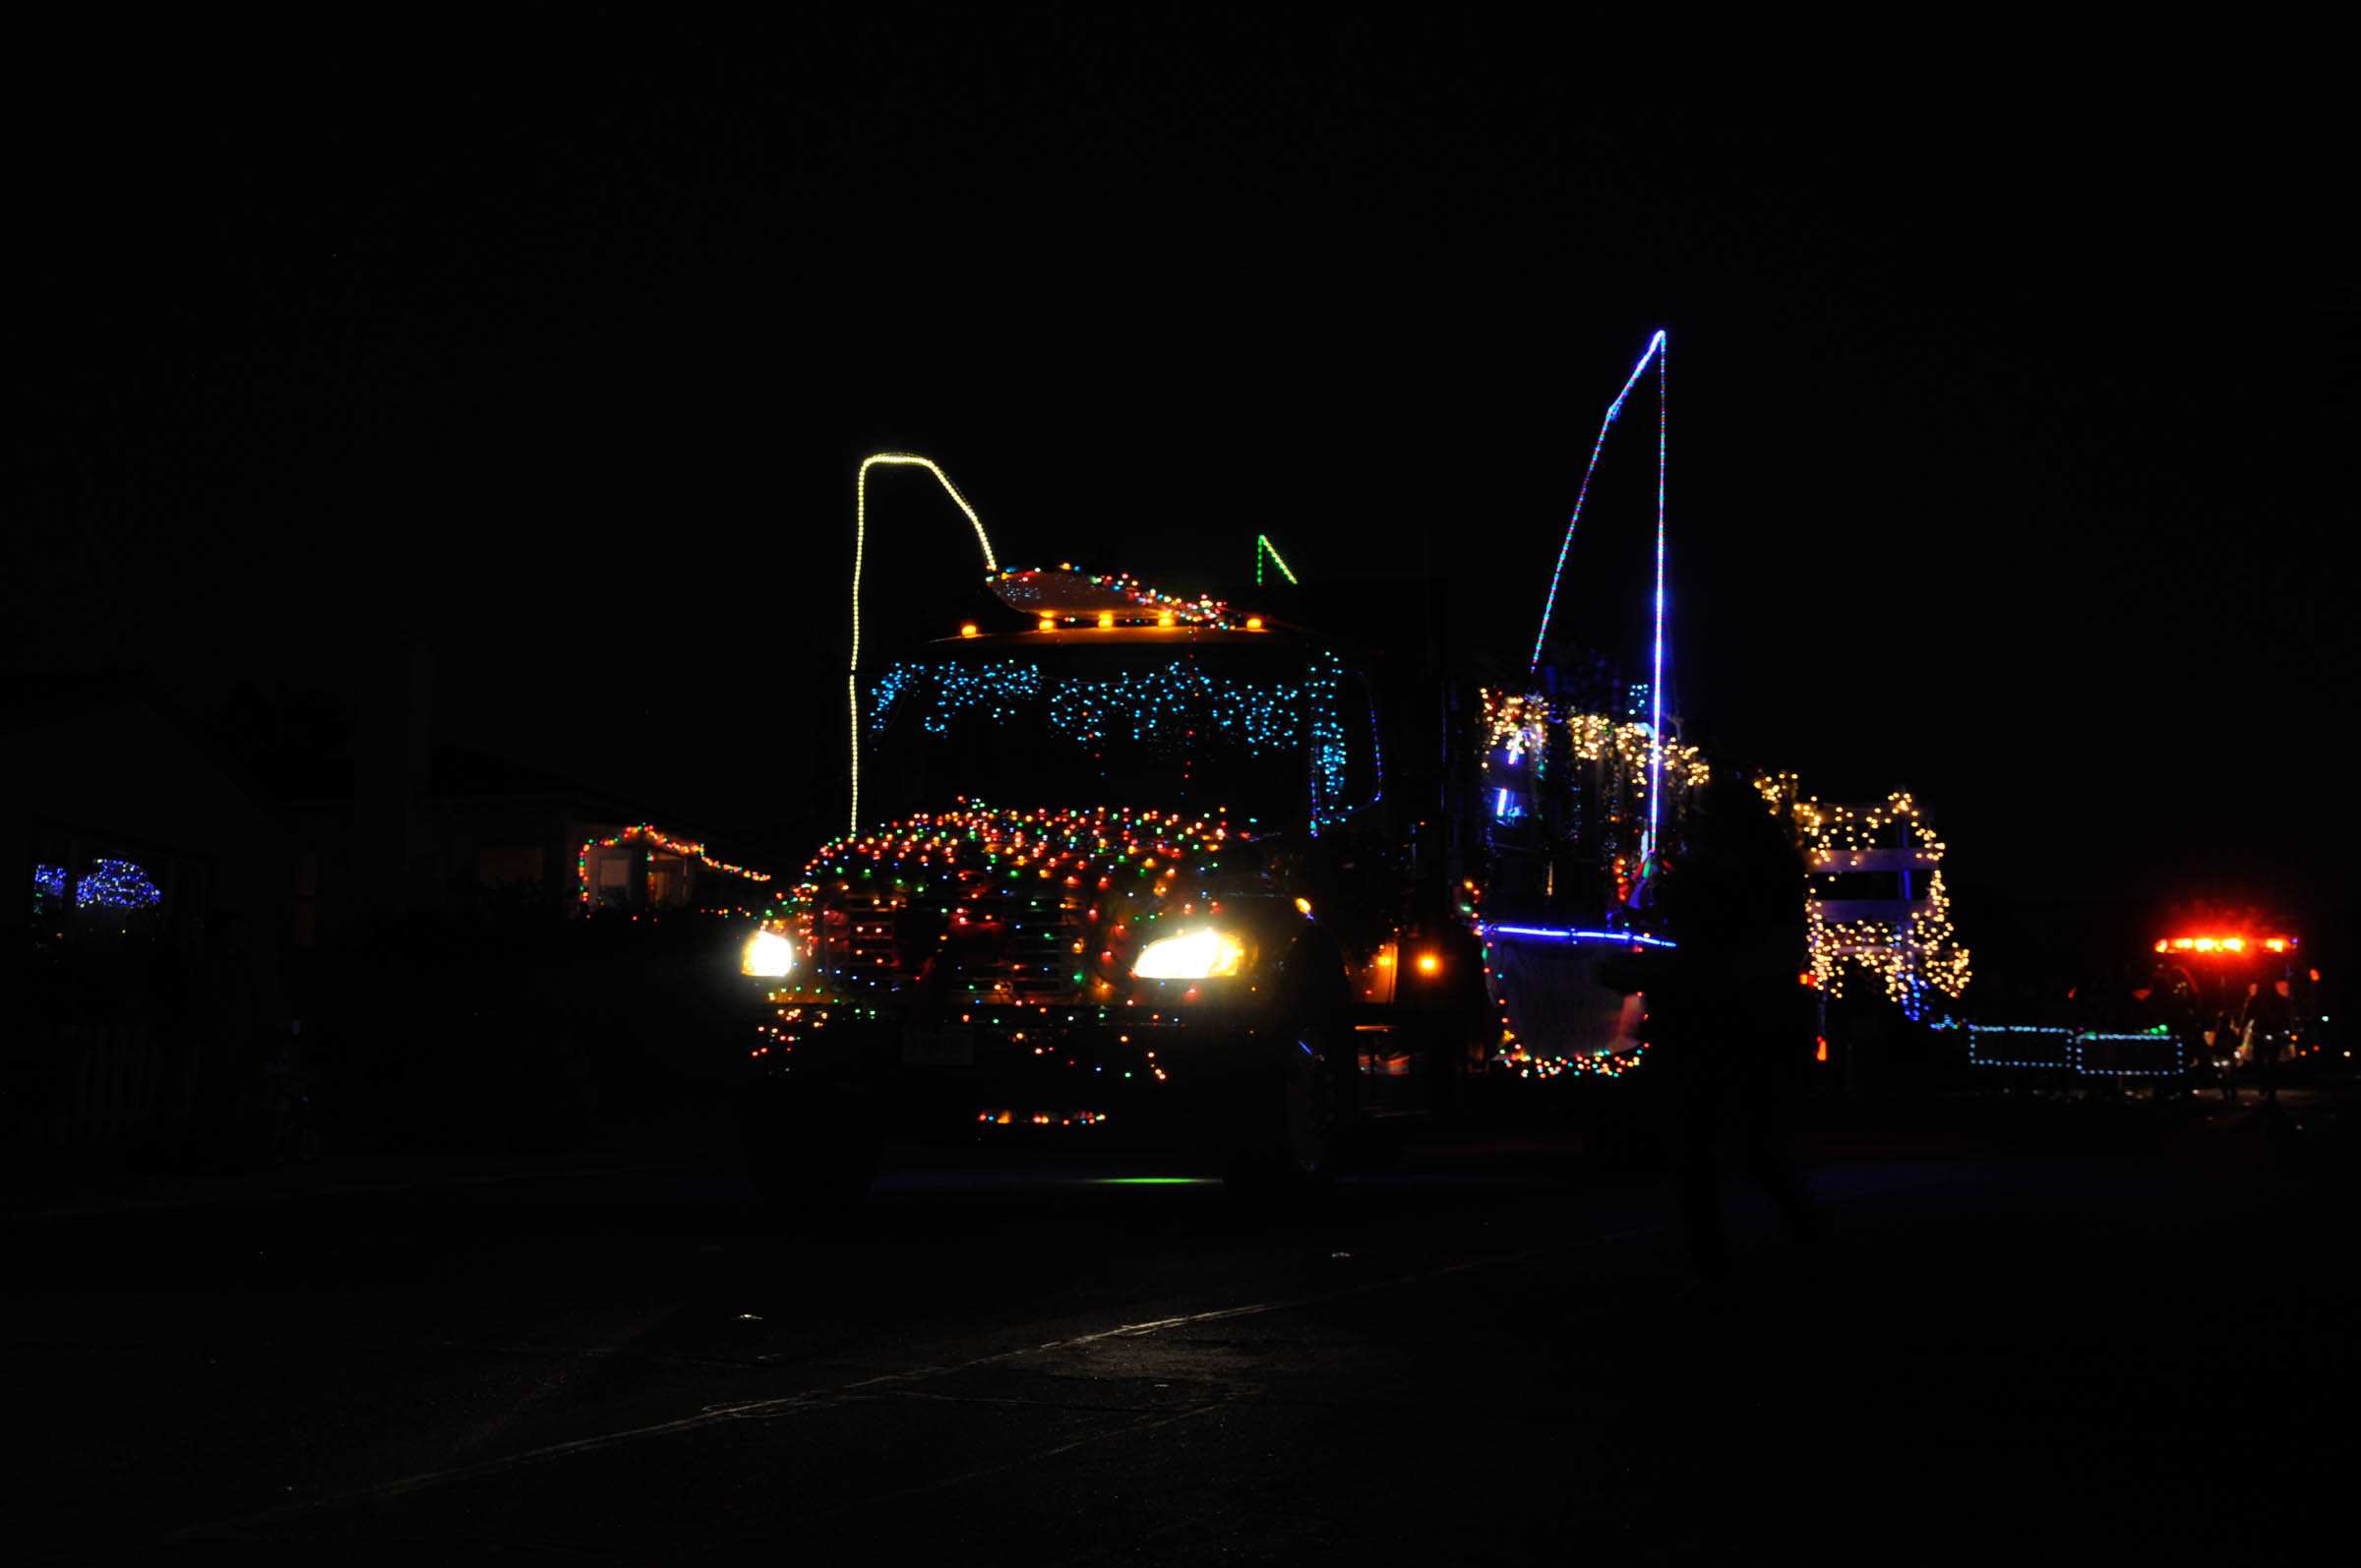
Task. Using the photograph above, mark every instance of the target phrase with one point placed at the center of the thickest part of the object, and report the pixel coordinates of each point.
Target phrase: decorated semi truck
(1125, 872)
(1123, 866)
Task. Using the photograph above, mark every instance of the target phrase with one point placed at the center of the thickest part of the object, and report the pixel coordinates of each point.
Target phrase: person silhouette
(2262, 1026)
(1734, 1019)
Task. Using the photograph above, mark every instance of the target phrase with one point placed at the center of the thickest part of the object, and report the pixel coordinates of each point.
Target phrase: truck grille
(1034, 960)
(1012, 947)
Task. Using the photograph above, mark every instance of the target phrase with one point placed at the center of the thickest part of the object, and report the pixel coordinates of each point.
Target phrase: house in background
(153, 892)
(484, 825)
(407, 827)
(644, 867)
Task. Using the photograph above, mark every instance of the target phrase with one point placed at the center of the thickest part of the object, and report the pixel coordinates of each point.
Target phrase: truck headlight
(767, 953)
(1192, 955)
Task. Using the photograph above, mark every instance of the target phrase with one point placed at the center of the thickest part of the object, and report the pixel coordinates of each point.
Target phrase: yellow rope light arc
(852, 674)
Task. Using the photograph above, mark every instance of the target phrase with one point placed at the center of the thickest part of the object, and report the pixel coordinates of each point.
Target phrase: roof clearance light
(2233, 944)
(2278, 944)
(2162, 945)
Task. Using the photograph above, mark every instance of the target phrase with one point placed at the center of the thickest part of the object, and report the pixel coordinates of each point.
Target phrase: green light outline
(1262, 544)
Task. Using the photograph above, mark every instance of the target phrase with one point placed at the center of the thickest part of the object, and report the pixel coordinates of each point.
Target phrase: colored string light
(116, 884)
(1052, 887)
(1527, 736)
(953, 688)
(1909, 954)
(2072, 1053)
(1173, 708)
(1037, 590)
(663, 841)
(1910, 949)
(1328, 757)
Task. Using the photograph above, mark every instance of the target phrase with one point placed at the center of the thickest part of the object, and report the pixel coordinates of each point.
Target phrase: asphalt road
(2143, 1350)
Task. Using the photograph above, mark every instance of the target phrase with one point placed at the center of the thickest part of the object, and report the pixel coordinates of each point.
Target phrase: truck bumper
(1085, 1086)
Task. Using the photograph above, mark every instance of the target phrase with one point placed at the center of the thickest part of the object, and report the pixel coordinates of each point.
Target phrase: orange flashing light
(2224, 944)
(1048, 624)
(1254, 623)
(968, 629)
(1430, 963)
(1821, 1053)
(1106, 620)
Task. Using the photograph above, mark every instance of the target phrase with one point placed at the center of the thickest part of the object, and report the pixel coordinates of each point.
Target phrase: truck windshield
(1254, 730)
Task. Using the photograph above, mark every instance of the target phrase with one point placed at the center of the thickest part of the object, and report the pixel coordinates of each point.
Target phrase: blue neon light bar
(1567, 933)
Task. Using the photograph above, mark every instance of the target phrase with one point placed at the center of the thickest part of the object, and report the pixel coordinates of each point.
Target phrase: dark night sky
(2011, 425)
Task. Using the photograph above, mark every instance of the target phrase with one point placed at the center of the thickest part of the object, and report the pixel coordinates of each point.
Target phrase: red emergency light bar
(2234, 945)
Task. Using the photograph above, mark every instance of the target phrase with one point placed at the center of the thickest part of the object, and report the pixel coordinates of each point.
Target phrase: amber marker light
(1430, 963)
(1106, 620)
(1254, 623)
(1164, 619)
(1048, 624)
(968, 629)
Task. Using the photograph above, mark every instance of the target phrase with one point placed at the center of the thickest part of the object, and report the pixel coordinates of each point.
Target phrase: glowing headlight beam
(852, 674)
(1193, 955)
(766, 953)
(1549, 605)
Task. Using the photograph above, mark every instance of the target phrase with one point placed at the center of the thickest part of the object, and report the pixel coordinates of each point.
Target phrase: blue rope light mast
(1656, 353)
(1656, 677)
